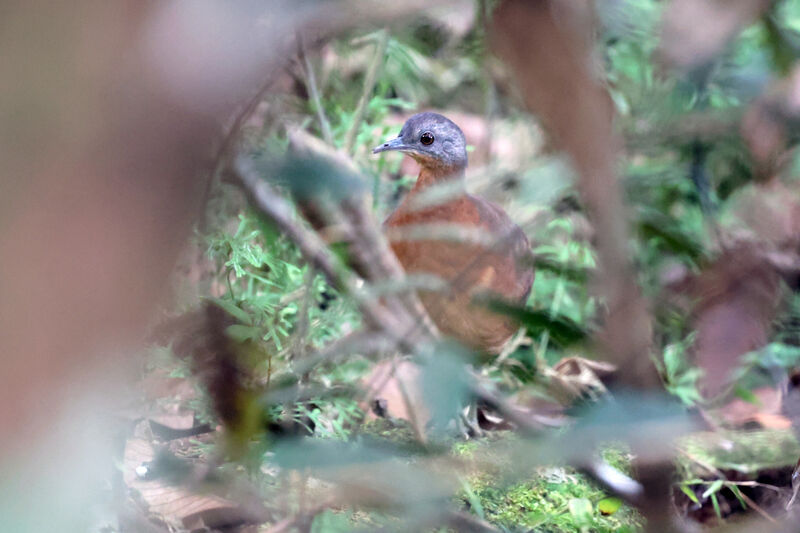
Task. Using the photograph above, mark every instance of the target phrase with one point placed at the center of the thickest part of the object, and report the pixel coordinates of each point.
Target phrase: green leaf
(242, 333)
(713, 488)
(444, 381)
(563, 330)
(673, 360)
(564, 270)
(314, 178)
(689, 493)
(535, 518)
(623, 420)
(232, 309)
(581, 510)
(472, 498)
(609, 506)
(736, 492)
(715, 503)
(746, 395)
(778, 354)
(655, 225)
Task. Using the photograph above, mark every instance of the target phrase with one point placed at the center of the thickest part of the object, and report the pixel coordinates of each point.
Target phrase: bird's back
(470, 269)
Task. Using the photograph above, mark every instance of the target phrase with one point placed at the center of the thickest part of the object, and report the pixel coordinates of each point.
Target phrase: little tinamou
(470, 269)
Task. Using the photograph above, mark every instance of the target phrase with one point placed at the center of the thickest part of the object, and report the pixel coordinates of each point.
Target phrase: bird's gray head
(433, 140)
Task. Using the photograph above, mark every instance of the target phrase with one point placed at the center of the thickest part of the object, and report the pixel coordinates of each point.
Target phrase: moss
(742, 451)
(550, 499)
(553, 500)
(465, 449)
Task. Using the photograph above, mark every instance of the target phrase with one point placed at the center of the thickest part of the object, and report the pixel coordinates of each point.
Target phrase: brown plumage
(470, 269)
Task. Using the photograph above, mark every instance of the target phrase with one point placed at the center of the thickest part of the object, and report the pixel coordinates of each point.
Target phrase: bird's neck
(436, 175)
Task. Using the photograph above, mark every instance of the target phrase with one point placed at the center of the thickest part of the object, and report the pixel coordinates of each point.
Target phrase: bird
(492, 268)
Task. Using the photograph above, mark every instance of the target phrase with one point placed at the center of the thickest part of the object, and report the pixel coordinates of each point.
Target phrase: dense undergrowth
(684, 193)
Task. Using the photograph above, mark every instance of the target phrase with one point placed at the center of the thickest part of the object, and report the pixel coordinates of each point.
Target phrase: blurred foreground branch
(546, 45)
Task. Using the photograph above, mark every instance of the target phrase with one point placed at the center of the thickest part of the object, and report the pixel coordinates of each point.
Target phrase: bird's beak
(394, 144)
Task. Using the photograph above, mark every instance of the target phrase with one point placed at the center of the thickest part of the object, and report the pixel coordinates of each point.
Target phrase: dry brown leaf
(576, 366)
(771, 211)
(695, 31)
(737, 297)
(766, 413)
(766, 124)
(394, 392)
(181, 506)
(572, 377)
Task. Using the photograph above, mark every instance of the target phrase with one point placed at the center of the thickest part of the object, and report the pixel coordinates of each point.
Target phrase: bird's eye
(426, 138)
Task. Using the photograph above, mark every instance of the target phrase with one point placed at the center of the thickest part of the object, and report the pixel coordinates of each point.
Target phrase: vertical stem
(371, 77)
(489, 89)
(228, 145)
(313, 91)
(301, 328)
(554, 308)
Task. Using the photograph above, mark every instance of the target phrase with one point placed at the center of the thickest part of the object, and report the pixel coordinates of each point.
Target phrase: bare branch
(547, 46)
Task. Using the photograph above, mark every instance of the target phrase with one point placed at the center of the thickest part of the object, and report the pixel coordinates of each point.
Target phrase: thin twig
(366, 343)
(371, 77)
(313, 90)
(757, 508)
(226, 149)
